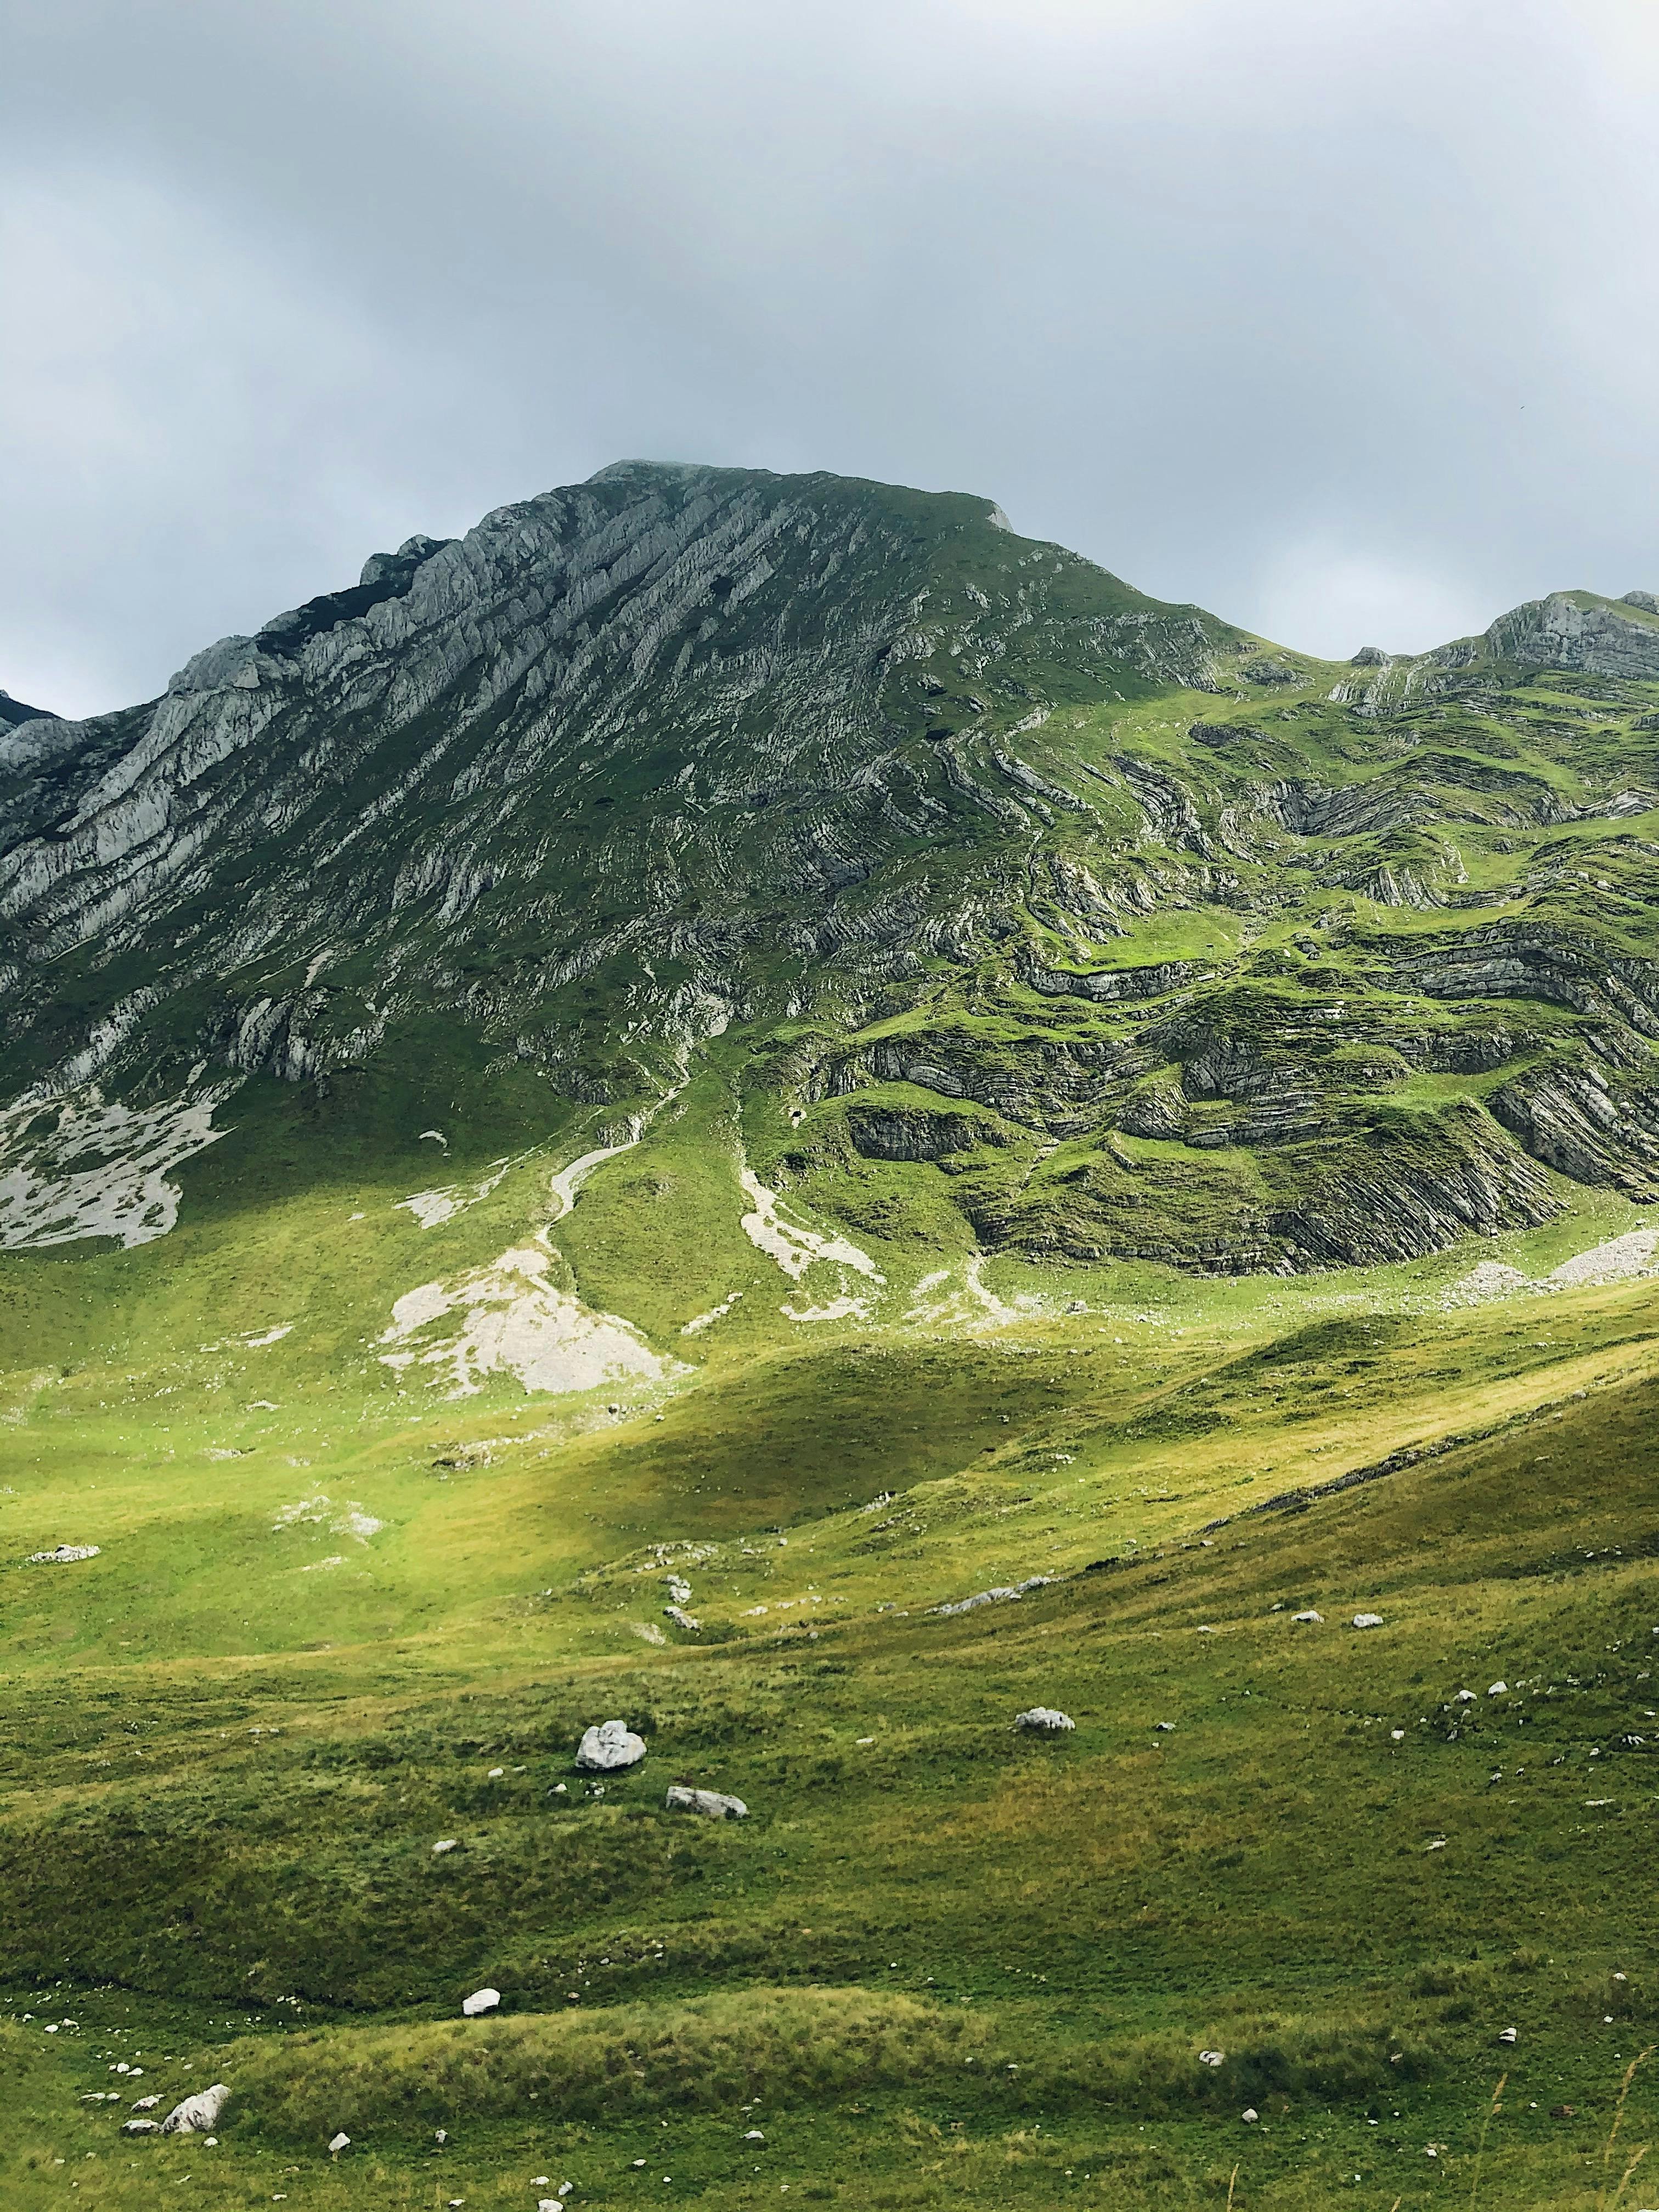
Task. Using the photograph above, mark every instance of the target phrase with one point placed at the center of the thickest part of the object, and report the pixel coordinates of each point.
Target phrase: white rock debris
(1368, 1621)
(64, 1555)
(351, 1519)
(431, 1208)
(1045, 1720)
(1310, 1619)
(998, 1596)
(793, 1246)
(512, 1320)
(703, 1321)
(480, 2000)
(100, 1170)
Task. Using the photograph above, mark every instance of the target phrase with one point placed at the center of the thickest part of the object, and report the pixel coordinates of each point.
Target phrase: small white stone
(1498, 1690)
(445, 1844)
(1368, 1621)
(1249, 2112)
(339, 2142)
(1310, 1619)
(754, 2136)
(1212, 2057)
(1045, 1720)
(480, 2000)
(1506, 2035)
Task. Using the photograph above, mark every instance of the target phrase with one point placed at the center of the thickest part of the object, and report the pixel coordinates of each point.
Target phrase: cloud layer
(1339, 320)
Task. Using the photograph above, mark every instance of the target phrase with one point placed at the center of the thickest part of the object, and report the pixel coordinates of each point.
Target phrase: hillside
(755, 1105)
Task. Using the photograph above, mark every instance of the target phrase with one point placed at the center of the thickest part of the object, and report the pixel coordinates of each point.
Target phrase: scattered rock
(1164, 1728)
(1212, 2057)
(445, 1844)
(139, 2128)
(1044, 1720)
(1249, 2112)
(1465, 1698)
(680, 1618)
(1368, 1621)
(710, 1801)
(1310, 1618)
(480, 2000)
(999, 1596)
(201, 2111)
(338, 2143)
(1506, 2035)
(754, 2136)
(1498, 1690)
(142, 2104)
(608, 1746)
(64, 1556)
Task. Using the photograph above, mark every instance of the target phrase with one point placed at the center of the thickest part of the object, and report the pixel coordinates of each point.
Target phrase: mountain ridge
(681, 751)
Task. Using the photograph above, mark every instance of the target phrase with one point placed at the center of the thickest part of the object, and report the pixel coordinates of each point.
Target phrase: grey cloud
(1333, 319)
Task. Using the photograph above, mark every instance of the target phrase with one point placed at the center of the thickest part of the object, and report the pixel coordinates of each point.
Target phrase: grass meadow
(943, 1962)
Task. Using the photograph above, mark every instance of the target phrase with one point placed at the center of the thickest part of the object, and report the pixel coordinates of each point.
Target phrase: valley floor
(332, 1622)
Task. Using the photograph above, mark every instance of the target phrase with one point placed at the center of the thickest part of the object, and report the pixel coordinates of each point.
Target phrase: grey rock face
(711, 1804)
(429, 748)
(1562, 631)
(900, 1134)
(609, 1745)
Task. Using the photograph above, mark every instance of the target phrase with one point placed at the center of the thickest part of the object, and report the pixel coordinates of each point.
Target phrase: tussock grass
(784, 2047)
(708, 2055)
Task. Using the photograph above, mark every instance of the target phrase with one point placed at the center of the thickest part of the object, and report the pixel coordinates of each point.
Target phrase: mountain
(1131, 935)
(1012, 1223)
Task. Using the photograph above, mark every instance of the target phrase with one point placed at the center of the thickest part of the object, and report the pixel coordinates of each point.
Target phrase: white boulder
(1212, 2057)
(339, 2142)
(610, 1745)
(1045, 1720)
(480, 2000)
(710, 1802)
(1310, 1619)
(202, 2110)
(64, 1555)
(1368, 1621)
(139, 2128)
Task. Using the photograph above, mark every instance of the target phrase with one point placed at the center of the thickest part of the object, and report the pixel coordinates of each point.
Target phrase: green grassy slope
(941, 1961)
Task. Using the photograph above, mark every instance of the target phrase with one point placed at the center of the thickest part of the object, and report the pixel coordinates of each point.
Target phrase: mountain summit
(1111, 928)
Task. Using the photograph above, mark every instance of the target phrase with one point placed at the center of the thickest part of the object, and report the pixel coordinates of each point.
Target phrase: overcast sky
(1338, 316)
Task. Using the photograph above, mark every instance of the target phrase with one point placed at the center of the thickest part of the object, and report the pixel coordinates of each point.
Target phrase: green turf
(941, 1963)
